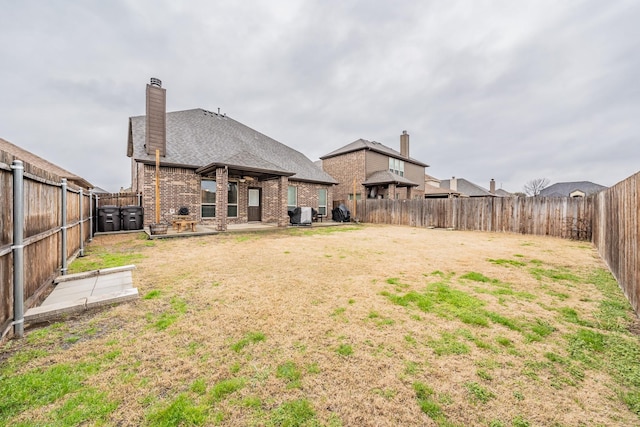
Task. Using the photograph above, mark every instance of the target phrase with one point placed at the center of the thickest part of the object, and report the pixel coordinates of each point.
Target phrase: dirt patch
(343, 308)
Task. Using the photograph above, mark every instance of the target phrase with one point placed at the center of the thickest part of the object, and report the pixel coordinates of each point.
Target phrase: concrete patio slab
(76, 293)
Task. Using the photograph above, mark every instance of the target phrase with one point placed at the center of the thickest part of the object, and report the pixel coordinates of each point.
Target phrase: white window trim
(215, 208)
(295, 194)
(237, 198)
(326, 196)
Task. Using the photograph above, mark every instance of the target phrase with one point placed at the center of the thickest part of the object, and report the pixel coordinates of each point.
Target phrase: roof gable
(197, 138)
(363, 144)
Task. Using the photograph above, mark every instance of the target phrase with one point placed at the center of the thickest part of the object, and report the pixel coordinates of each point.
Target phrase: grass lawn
(345, 326)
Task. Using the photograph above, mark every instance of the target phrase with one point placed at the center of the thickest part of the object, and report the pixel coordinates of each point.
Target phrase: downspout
(18, 248)
(63, 228)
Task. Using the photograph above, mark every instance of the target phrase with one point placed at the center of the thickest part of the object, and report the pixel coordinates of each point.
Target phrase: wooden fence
(118, 199)
(616, 233)
(558, 217)
(43, 231)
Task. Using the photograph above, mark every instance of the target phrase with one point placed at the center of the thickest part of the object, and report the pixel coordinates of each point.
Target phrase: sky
(511, 90)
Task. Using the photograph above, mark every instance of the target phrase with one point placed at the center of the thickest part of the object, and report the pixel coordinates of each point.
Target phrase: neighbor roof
(37, 161)
(386, 177)
(199, 138)
(564, 189)
(363, 144)
(437, 191)
(467, 188)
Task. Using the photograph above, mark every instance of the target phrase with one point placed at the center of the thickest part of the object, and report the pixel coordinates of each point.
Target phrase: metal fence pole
(18, 248)
(63, 271)
(81, 223)
(90, 215)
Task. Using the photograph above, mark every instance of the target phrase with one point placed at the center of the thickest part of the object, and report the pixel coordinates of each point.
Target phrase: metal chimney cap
(156, 82)
(404, 132)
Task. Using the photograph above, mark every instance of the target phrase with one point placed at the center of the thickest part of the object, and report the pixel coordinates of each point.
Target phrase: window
(396, 166)
(292, 197)
(232, 199)
(322, 201)
(358, 196)
(208, 188)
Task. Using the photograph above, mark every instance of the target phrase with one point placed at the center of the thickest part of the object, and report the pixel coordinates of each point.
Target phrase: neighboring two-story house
(370, 169)
(222, 171)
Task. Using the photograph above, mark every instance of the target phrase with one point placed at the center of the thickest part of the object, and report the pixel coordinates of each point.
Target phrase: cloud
(505, 90)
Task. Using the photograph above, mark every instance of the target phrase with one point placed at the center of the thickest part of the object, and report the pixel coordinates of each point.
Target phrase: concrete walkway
(75, 293)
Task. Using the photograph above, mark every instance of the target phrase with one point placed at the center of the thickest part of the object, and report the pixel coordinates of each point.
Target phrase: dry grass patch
(366, 325)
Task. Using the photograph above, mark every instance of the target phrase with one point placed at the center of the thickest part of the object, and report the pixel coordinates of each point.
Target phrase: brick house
(202, 152)
(375, 170)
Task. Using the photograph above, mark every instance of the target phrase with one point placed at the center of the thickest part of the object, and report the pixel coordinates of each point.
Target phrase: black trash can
(132, 217)
(109, 218)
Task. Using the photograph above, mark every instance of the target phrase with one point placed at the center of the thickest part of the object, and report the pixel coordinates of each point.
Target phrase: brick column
(409, 193)
(283, 185)
(391, 191)
(222, 197)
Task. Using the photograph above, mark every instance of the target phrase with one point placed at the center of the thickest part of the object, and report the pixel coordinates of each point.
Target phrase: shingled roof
(467, 188)
(385, 177)
(363, 144)
(37, 161)
(564, 189)
(198, 139)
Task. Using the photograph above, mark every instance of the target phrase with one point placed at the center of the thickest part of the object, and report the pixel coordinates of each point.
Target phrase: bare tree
(535, 186)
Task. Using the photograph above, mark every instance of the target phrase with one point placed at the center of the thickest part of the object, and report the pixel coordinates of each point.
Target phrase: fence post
(18, 248)
(63, 271)
(90, 215)
(81, 223)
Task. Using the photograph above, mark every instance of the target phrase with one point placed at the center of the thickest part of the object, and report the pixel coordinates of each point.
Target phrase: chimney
(404, 144)
(156, 132)
(453, 184)
(492, 186)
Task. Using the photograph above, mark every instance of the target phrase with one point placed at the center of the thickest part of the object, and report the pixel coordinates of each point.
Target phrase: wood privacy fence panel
(559, 217)
(118, 199)
(617, 234)
(6, 237)
(43, 256)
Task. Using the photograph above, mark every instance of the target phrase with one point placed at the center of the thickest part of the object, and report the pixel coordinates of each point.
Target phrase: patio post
(222, 198)
(283, 191)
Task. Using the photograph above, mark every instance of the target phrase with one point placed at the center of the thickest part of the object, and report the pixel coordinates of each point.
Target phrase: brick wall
(181, 187)
(178, 187)
(308, 194)
(343, 169)
(271, 206)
